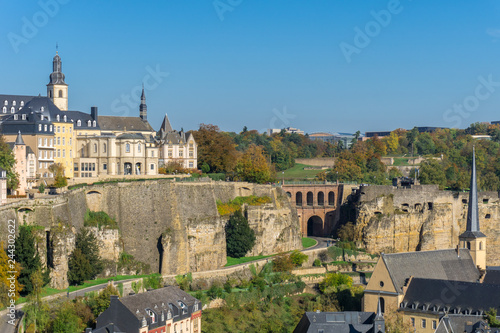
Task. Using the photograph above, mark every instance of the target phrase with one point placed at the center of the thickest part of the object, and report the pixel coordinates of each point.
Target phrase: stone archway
(315, 226)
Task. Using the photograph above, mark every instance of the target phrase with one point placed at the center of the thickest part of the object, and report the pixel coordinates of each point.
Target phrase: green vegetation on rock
(99, 219)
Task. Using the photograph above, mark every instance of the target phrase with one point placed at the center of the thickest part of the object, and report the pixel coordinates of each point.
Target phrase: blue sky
(317, 65)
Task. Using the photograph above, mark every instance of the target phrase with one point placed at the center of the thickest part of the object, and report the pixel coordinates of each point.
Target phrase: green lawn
(297, 172)
(236, 261)
(402, 161)
(308, 242)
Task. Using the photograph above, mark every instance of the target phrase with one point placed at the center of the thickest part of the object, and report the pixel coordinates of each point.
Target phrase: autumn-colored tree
(58, 170)
(393, 142)
(215, 148)
(253, 166)
(8, 279)
(7, 162)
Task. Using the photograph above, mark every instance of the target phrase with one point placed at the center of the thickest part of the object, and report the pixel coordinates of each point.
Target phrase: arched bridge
(318, 206)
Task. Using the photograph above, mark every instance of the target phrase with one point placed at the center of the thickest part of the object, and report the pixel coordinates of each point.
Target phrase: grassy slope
(297, 172)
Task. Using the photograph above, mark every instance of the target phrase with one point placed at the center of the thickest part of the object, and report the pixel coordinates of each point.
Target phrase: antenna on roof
(57, 48)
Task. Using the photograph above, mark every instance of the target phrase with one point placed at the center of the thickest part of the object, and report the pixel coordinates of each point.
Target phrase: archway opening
(321, 199)
(127, 169)
(310, 198)
(331, 199)
(298, 198)
(315, 226)
(382, 304)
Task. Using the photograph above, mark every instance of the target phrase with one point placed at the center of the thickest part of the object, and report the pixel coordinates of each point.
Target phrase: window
(45, 142)
(40, 165)
(104, 148)
(65, 118)
(58, 118)
(58, 140)
(5, 102)
(4, 109)
(45, 128)
(191, 165)
(15, 117)
(39, 141)
(22, 103)
(64, 141)
(94, 123)
(424, 323)
(89, 123)
(50, 142)
(41, 117)
(71, 154)
(50, 128)
(169, 153)
(14, 103)
(58, 128)
(78, 123)
(105, 166)
(60, 94)
(75, 167)
(95, 147)
(152, 153)
(152, 166)
(39, 127)
(23, 116)
(64, 153)
(12, 109)
(127, 148)
(434, 324)
(139, 147)
(180, 153)
(70, 141)
(412, 320)
(191, 154)
(59, 153)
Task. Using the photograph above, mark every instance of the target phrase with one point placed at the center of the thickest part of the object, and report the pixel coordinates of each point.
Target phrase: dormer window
(4, 109)
(42, 109)
(5, 102)
(23, 116)
(183, 307)
(12, 109)
(13, 103)
(65, 118)
(22, 103)
(89, 123)
(57, 118)
(45, 128)
(152, 315)
(94, 124)
(169, 315)
(15, 117)
(39, 127)
(78, 123)
(41, 117)
(50, 128)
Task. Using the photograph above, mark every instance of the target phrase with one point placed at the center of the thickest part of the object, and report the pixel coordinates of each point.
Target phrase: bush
(298, 258)
(234, 205)
(282, 263)
(227, 287)
(347, 232)
(99, 219)
(214, 292)
(153, 282)
(335, 280)
(240, 238)
(317, 263)
(41, 188)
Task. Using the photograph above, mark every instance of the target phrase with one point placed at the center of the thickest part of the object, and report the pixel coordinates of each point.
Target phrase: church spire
(473, 211)
(57, 89)
(143, 108)
(57, 77)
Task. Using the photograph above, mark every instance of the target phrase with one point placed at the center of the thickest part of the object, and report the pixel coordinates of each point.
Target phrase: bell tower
(473, 239)
(57, 89)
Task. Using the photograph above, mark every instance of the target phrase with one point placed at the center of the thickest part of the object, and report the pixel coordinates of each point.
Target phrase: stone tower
(473, 239)
(57, 89)
(143, 108)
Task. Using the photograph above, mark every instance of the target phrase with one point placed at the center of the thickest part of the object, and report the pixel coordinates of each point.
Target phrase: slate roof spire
(57, 77)
(379, 310)
(19, 139)
(143, 108)
(473, 211)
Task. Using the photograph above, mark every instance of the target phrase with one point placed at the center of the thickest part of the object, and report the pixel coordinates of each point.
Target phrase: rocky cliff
(393, 219)
(175, 228)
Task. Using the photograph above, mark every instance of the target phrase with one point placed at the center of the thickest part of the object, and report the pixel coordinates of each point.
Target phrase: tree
(431, 172)
(335, 280)
(100, 301)
(28, 257)
(240, 238)
(253, 166)
(215, 148)
(7, 162)
(393, 142)
(37, 311)
(5, 282)
(491, 317)
(84, 263)
(298, 258)
(66, 320)
(58, 170)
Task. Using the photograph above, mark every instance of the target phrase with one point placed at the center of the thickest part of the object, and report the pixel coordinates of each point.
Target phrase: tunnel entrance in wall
(315, 226)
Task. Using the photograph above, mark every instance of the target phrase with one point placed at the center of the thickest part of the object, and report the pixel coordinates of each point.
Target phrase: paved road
(322, 242)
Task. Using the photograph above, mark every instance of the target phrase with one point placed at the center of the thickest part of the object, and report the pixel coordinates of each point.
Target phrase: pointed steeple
(57, 77)
(472, 229)
(165, 126)
(143, 108)
(379, 310)
(19, 139)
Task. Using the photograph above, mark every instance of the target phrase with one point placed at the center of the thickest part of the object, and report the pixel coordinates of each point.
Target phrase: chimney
(93, 112)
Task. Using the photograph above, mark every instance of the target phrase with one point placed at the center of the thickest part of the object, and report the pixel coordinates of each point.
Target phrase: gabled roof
(19, 139)
(129, 124)
(457, 295)
(165, 125)
(492, 275)
(157, 300)
(74, 116)
(333, 322)
(460, 323)
(14, 99)
(439, 264)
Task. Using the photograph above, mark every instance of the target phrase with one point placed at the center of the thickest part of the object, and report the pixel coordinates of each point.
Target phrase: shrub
(298, 258)
(99, 219)
(41, 188)
(282, 263)
(153, 282)
(214, 292)
(317, 263)
(335, 280)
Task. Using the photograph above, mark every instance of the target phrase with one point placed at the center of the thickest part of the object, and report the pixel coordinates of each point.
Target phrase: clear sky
(337, 66)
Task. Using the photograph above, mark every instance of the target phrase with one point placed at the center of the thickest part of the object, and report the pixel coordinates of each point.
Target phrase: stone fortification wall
(393, 219)
(175, 228)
